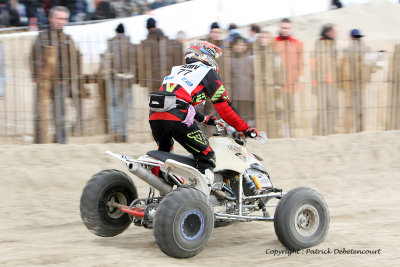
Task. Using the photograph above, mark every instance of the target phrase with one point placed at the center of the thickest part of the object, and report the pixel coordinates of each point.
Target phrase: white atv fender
(229, 155)
(190, 174)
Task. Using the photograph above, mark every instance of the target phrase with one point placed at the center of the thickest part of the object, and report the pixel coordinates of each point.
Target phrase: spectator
(123, 8)
(233, 32)
(328, 32)
(15, 20)
(265, 38)
(139, 7)
(215, 34)
(31, 7)
(242, 79)
(120, 51)
(79, 11)
(155, 43)
(358, 65)
(153, 31)
(104, 10)
(214, 37)
(64, 75)
(47, 4)
(157, 4)
(325, 68)
(181, 37)
(254, 33)
(270, 111)
(4, 14)
(291, 52)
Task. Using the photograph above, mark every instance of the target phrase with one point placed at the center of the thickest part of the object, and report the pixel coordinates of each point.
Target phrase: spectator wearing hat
(153, 31)
(358, 66)
(215, 34)
(233, 32)
(154, 44)
(355, 34)
(121, 55)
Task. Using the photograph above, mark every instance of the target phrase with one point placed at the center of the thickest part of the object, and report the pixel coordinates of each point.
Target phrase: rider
(172, 112)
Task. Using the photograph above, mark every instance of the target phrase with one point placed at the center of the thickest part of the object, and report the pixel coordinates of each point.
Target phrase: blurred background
(291, 68)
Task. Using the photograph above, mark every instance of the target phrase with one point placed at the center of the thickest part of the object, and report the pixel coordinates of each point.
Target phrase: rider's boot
(209, 175)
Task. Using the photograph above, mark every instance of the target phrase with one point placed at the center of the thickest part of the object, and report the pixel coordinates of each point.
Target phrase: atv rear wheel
(301, 219)
(183, 223)
(104, 187)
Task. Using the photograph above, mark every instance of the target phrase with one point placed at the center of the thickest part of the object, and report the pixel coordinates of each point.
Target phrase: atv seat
(163, 156)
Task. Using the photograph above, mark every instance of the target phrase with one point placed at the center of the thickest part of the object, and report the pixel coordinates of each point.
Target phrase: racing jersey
(193, 83)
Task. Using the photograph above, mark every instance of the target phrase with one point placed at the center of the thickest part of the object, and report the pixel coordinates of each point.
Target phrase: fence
(283, 91)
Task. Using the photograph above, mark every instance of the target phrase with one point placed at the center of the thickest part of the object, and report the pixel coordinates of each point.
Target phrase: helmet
(205, 52)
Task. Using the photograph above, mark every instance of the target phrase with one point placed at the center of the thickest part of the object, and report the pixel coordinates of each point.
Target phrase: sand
(358, 175)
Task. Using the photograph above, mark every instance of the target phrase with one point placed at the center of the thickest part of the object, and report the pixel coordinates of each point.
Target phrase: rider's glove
(210, 119)
(251, 132)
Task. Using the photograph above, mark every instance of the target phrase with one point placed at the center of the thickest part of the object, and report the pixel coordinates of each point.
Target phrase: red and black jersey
(193, 83)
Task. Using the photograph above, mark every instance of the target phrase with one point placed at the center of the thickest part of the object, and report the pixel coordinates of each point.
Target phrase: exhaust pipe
(149, 178)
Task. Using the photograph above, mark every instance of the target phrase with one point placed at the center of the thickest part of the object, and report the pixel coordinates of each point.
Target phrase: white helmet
(205, 52)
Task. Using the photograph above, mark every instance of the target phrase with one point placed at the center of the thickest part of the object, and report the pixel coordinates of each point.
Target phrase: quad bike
(185, 210)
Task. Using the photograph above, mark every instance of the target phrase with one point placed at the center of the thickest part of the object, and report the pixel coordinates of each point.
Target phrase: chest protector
(188, 76)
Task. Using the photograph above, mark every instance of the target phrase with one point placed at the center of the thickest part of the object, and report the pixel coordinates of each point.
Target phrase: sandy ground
(358, 175)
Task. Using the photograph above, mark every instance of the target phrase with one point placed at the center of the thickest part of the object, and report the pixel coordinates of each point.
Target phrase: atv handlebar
(221, 125)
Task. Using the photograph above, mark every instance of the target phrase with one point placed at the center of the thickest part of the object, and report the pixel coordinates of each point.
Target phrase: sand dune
(358, 175)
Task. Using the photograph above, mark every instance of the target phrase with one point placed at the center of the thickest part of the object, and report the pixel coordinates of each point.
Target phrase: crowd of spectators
(16, 13)
(286, 54)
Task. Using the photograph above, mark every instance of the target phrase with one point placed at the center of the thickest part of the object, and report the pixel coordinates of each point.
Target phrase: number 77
(186, 71)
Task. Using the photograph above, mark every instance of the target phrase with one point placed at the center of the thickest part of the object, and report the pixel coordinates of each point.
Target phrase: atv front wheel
(183, 223)
(301, 219)
(104, 187)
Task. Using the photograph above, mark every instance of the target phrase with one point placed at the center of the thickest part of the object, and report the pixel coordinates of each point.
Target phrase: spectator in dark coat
(153, 31)
(64, 78)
